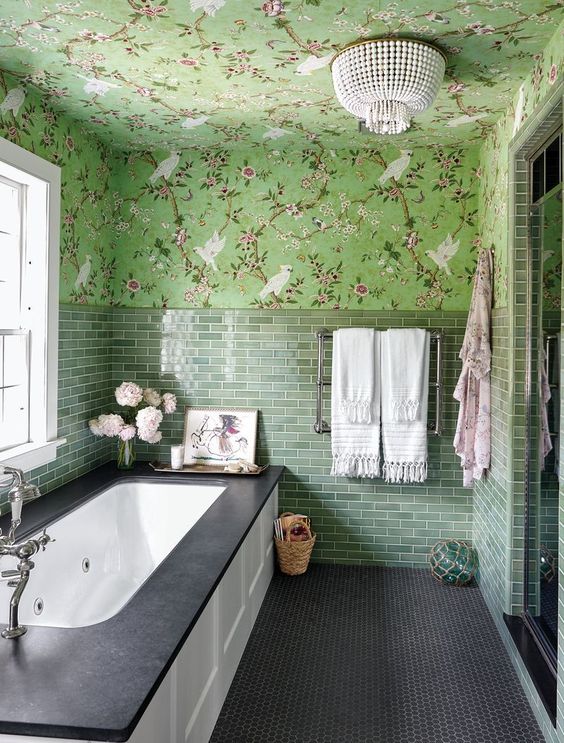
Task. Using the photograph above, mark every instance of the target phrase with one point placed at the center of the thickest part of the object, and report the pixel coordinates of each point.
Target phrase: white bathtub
(105, 550)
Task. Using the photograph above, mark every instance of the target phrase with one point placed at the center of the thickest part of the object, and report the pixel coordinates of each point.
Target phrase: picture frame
(217, 435)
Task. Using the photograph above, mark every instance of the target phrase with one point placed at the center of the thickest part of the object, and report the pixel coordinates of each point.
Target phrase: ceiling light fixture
(385, 82)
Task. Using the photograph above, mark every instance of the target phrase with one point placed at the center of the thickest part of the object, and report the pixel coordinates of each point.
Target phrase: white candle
(177, 457)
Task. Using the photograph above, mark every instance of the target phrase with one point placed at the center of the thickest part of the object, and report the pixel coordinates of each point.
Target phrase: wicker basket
(293, 557)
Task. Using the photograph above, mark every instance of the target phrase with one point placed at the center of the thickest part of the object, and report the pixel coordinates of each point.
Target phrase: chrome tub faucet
(20, 492)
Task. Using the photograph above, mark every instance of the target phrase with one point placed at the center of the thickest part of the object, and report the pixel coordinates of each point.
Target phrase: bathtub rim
(101, 491)
(231, 516)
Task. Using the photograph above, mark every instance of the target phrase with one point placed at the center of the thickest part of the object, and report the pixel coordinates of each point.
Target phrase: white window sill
(27, 457)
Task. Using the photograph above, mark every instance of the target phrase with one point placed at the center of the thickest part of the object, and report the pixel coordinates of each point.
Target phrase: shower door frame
(529, 140)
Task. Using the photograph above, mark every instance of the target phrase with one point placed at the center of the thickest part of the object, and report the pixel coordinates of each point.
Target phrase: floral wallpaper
(176, 74)
(87, 207)
(494, 158)
(374, 229)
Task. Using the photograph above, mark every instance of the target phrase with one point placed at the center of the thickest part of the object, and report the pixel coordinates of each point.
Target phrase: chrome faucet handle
(44, 540)
(7, 574)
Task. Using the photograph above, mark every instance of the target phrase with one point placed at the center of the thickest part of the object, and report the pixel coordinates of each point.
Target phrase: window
(29, 284)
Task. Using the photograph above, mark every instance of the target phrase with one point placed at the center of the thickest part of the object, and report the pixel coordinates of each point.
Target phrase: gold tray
(202, 469)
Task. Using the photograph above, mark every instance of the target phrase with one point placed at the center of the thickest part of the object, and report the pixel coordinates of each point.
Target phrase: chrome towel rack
(323, 335)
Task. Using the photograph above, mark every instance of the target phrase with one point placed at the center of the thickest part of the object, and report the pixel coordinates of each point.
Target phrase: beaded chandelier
(385, 82)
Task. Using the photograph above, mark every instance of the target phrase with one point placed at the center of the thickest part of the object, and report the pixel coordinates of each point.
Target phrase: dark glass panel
(553, 163)
(538, 177)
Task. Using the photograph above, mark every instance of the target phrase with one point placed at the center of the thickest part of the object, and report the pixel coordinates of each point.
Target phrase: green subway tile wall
(491, 495)
(84, 391)
(268, 360)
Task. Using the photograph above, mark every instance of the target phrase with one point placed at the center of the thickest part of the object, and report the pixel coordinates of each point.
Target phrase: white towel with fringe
(353, 375)
(355, 403)
(405, 392)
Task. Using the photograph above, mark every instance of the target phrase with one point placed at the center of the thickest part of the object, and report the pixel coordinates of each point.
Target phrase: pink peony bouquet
(144, 423)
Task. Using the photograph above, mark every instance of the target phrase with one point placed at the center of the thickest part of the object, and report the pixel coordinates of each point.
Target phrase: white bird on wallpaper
(211, 250)
(13, 100)
(395, 169)
(95, 86)
(519, 110)
(313, 63)
(83, 273)
(442, 255)
(166, 167)
(192, 123)
(210, 7)
(275, 284)
(274, 133)
(464, 119)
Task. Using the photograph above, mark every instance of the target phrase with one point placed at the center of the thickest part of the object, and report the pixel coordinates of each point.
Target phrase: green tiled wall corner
(84, 391)
(267, 360)
(491, 495)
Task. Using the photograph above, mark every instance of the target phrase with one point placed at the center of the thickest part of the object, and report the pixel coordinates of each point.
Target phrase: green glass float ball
(453, 562)
(547, 564)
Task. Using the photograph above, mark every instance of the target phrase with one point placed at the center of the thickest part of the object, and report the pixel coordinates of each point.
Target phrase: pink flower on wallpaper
(456, 87)
(480, 29)
(69, 219)
(248, 172)
(394, 193)
(293, 210)
(412, 239)
(164, 191)
(180, 237)
(248, 237)
(553, 74)
(152, 11)
(133, 285)
(314, 46)
(188, 62)
(272, 8)
(146, 92)
(361, 290)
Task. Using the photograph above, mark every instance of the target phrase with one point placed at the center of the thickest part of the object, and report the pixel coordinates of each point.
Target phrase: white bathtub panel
(197, 668)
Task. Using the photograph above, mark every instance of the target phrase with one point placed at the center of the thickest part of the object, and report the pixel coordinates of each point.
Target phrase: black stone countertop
(94, 683)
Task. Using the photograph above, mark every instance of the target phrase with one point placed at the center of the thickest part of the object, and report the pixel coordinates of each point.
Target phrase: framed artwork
(220, 435)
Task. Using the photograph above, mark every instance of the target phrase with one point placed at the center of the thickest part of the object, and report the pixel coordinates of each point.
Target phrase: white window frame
(42, 230)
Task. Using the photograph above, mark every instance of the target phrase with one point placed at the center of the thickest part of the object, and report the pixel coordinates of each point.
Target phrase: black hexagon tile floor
(359, 654)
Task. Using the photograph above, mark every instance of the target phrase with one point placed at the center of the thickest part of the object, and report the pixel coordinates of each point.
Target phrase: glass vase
(126, 454)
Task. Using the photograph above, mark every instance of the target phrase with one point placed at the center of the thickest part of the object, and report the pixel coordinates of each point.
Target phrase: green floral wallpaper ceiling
(214, 73)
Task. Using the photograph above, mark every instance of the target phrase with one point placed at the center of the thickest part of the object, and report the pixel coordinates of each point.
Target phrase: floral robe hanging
(472, 441)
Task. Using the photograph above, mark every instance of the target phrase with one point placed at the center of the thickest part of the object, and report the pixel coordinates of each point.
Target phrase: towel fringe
(405, 471)
(404, 410)
(348, 464)
(357, 411)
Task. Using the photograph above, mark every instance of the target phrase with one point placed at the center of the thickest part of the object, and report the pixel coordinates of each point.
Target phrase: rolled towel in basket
(405, 392)
(355, 403)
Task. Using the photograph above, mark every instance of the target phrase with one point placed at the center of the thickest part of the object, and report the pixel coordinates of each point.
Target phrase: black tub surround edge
(94, 683)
